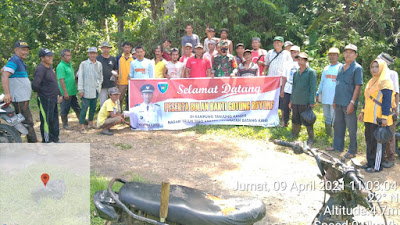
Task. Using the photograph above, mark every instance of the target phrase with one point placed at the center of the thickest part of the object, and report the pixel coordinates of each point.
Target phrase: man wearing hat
(239, 51)
(247, 68)
(46, 85)
(224, 63)
(67, 85)
(348, 85)
(288, 45)
(90, 79)
(211, 51)
(198, 66)
(303, 95)
(17, 86)
(390, 154)
(110, 69)
(258, 53)
(110, 113)
(188, 52)
(146, 115)
(326, 89)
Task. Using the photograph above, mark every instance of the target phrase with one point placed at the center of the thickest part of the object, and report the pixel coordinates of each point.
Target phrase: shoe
(372, 170)
(349, 155)
(310, 140)
(91, 127)
(365, 166)
(64, 120)
(331, 149)
(66, 127)
(388, 164)
(83, 131)
(59, 141)
(107, 132)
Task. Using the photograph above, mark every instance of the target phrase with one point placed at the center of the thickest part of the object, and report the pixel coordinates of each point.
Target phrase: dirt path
(220, 165)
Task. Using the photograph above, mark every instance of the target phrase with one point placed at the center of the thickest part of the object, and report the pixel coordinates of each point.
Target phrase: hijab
(380, 80)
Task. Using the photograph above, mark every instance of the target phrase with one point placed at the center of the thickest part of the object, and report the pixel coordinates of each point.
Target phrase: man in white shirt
(174, 68)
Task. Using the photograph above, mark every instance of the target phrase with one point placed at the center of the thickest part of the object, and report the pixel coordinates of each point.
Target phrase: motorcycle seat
(191, 206)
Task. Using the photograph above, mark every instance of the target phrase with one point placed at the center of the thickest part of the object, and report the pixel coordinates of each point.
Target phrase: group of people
(103, 75)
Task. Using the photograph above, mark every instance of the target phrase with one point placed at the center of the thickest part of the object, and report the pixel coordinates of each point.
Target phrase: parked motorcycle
(11, 130)
(136, 201)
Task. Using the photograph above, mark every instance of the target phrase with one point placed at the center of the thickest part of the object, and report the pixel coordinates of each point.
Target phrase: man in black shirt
(110, 68)
(45, 84)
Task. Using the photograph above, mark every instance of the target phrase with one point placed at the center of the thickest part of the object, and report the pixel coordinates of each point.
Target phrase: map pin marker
(45, 178)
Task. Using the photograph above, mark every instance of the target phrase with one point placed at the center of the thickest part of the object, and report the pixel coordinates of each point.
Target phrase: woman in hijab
(379, 97)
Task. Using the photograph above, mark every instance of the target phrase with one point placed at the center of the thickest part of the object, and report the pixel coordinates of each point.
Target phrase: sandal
(349, 155)
(83, 131)
(331, 149)
(371, 170)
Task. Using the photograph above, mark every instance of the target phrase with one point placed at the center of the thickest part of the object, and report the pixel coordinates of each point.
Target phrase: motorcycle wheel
(9, 134)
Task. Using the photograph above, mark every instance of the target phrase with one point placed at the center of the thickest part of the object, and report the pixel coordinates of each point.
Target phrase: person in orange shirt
(124, 66)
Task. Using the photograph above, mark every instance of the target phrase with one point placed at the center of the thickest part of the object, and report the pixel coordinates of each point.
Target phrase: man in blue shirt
(326, 90)
(141, 67)
(348, 85)
(17, 86)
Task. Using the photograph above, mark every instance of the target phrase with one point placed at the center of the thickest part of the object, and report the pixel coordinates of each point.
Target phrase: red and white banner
(182, 103)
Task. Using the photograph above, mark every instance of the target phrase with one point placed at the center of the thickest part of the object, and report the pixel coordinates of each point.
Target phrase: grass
(123, 146)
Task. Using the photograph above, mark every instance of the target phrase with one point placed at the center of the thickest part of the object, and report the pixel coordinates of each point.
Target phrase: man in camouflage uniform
(224, 63)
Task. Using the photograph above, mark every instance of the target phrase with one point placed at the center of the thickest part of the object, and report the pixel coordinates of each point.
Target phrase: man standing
(288, 45)
(303, 95)
(110, 68)
(292, 68)
(189, 37)
(46, 85)
(188, 53)
(224, 37)
(348, 85)
(224, 64)
(239, 51)
(174, 68)
(124, 66)
(390, 154)
(67, 85)
(141, 67)
(210, 37)
(159, 63)
(90, 78)
(258, 54)
(327, 88)
(211, 51)
(17, 86)
(197, 66)
(166, 51)
(247, 68)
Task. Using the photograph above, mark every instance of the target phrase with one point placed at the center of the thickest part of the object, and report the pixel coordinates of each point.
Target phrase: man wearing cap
(348, 85)
(288, 45)
(247, 68)
(17, 86)
(110, 113)
(146, 115)
(124, 67)
(326, 88)
(67, 86)
(303, 95)
(390, 155)
(174, 68)
(239, 51)
(46, 85)
(188, 52)
(223, 64)
(110, 69)
(292, 68)
(90, 79)
(211, 51)
(258, 54)
(198, 66)
(189, 37)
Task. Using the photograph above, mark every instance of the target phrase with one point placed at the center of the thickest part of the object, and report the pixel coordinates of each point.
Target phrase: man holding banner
(146, 115)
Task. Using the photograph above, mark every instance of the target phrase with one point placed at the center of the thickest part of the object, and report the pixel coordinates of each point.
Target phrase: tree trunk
(156, 6)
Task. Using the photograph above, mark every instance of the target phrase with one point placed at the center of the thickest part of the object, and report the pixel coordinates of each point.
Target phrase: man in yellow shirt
(110, 113)
(159, 63)
(124, 67)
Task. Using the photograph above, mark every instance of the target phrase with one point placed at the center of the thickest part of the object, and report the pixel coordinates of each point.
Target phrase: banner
(182, 103)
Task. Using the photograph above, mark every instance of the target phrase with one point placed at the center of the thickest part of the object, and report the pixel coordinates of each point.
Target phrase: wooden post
(164, 201)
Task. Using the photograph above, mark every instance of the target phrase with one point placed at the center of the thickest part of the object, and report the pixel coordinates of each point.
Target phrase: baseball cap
(114, 91)
(350, 47)
(105, 44)
(188, 45)
(147, 88)
(279, 38)
(240, 44)
(211, 30)
(386, 57)
(92, 49)
(247, 51)
(288, 43)
(199, 46)
(295, 48)
(334, 50)
(45, 52)
(21, 44)
(302, 55)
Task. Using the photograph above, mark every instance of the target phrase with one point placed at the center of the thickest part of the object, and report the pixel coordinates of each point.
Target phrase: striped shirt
(19, 83)
(90, 78)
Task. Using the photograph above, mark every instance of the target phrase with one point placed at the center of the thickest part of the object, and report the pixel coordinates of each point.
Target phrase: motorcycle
(137, 202)
(11, 130)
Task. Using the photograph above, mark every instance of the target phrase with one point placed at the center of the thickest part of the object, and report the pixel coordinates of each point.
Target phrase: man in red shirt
(197, 66)
(258, 54)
